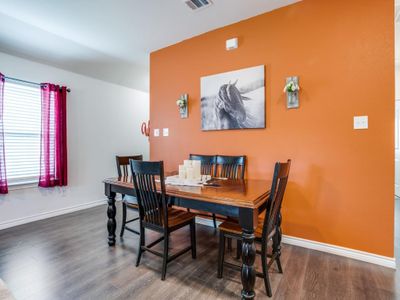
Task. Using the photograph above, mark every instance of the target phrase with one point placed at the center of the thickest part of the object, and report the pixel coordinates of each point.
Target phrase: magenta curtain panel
(3, 177)
(53, 148)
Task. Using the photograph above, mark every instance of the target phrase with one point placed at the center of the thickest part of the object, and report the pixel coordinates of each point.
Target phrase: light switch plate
(360, 122)
(156, 132)
(165, 132)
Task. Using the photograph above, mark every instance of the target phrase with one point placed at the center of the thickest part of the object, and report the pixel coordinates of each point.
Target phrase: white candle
(197, 169)
(187, 163)
(182, 172)
(189, 173)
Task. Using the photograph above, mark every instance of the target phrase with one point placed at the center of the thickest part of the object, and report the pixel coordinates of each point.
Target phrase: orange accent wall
(342, 180)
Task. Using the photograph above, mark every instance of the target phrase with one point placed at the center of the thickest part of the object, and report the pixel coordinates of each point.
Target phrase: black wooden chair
(155, 214)
(208, 167)
(128, 202)
(208, 163)
(267, 230)
(232, 167)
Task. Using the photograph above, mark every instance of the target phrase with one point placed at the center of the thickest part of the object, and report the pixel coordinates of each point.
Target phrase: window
(22, 129)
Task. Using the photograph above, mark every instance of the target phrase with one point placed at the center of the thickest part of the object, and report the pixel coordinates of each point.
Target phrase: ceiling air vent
(196, 5)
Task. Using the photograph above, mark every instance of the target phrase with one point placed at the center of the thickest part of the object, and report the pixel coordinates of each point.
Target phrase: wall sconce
(145, 128)
(292, 89)
(182, 104)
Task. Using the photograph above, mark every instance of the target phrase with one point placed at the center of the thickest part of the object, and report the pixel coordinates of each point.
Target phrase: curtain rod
(29, 82)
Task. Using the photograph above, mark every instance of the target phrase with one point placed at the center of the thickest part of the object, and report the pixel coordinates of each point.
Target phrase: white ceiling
(111, 40)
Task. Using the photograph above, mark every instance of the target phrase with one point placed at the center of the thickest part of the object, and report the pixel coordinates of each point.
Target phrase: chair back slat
(123, 164)
(208, 163)
(274, 204)
(152, 204)
(232, 167)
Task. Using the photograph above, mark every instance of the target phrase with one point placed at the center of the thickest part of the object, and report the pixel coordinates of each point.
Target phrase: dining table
(236, 198)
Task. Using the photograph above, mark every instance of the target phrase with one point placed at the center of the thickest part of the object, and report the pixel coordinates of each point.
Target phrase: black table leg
(248, 275)
(248, 270)
(111, 223)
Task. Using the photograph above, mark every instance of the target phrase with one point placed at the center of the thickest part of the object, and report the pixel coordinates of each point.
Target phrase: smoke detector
(196, 5)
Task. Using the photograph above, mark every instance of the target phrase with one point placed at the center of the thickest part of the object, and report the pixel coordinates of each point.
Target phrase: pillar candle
(196, 169)
(182, 172)
(189, 173)
(187, 163)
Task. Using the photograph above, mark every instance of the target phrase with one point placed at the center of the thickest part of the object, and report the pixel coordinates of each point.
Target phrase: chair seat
(233, 227)
(177, 217)
(130, 201)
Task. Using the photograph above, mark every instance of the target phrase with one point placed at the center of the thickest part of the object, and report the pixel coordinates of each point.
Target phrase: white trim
(22, 186)
(389, 262)
(23, 181)
(206, 222)
(50, 214)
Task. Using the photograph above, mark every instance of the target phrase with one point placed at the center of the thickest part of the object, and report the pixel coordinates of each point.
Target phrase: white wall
(397, 79)
(103, 120)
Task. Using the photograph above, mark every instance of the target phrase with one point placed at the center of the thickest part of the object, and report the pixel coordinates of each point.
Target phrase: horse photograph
(233, 100)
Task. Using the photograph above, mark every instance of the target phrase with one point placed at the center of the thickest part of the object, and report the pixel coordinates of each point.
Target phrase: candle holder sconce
(292, 89)
(145, 129)
(182, 104)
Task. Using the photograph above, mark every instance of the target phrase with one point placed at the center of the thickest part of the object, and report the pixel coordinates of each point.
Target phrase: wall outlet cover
(165, 132)
(360, 122)
(156, 132)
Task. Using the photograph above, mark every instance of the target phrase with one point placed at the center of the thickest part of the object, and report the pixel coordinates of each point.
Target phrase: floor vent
(196, 5)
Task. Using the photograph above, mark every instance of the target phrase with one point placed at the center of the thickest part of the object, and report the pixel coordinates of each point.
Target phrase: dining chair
(208, 167)
(156, 215)
(208, 163)
(266, 230)
(232, 167)
(128, 202)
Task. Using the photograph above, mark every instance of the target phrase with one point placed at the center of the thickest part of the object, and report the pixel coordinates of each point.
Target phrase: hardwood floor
(397, 229)
(67, 257)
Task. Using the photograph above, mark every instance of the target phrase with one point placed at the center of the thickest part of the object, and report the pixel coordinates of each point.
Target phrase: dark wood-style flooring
(67, 257)
(397, 230)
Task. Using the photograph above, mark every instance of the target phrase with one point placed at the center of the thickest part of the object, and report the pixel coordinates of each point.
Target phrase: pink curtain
(53, 155)
(3, 177)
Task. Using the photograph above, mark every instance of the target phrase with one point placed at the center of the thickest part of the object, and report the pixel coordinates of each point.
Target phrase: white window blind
(22, 128)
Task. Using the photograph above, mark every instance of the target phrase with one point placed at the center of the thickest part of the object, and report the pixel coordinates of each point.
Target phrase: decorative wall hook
(182, 104)
(145, 128)
(292, 89)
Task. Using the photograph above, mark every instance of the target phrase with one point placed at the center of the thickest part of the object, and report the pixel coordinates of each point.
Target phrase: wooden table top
(249, 193)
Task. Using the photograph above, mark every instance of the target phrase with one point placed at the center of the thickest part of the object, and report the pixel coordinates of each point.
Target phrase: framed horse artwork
(233, 100)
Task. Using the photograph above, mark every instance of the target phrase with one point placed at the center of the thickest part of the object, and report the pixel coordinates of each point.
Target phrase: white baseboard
(50, 214)
(206, 222)
(389, 262)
